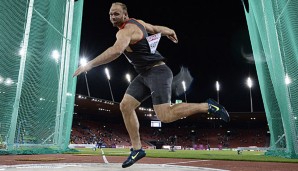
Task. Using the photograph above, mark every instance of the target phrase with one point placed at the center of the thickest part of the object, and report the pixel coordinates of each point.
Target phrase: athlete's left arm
(165, 31)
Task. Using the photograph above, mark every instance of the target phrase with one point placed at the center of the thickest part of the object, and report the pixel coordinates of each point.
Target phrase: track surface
(114, 163)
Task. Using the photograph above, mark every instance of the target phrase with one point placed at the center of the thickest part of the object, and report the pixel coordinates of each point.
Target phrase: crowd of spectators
(113, 134)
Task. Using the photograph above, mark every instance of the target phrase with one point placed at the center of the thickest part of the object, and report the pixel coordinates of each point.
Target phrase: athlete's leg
(127, 107)
(169, 113)
(159, 80)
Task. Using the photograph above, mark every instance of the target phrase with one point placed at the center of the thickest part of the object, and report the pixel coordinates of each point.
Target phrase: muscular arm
(123, 38)
(165, 31)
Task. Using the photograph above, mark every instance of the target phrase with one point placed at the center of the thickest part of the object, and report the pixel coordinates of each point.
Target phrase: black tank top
(141, 57)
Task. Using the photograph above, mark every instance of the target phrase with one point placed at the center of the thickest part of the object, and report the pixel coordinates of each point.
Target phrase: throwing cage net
(273, 29)
(39, 51)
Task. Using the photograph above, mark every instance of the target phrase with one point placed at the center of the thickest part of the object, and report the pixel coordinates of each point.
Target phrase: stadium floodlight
(107, 73)
(217, 90)
(83, 62)
(128, 78)
(288, 80)
(22, 51)
(56, 55)
(184, 89)
(249, 84)
(8, 82)
(109, 77)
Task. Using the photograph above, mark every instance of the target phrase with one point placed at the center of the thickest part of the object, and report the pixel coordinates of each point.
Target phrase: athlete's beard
(116, 24)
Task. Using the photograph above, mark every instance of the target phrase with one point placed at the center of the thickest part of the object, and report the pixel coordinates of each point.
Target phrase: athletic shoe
(134, 156)
(217, 110)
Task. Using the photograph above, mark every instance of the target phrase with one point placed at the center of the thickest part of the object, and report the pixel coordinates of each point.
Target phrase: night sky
(213, 35)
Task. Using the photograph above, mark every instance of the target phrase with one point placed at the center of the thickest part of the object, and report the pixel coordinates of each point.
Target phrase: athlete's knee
(128, 105)
(164, 115)
(124, 106)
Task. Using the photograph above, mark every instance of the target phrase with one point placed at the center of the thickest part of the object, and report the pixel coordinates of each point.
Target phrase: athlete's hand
(173, 37)
(82, 69)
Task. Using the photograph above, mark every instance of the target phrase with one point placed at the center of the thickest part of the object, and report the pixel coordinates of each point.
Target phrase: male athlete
(137, 40)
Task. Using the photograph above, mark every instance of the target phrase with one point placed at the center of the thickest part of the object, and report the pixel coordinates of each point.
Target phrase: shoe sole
(125, 166)
(226, 114)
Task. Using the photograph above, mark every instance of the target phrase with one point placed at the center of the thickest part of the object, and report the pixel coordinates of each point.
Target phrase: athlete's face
(117, 15)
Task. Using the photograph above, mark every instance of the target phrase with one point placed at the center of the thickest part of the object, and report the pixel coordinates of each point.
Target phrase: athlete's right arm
(123, 38)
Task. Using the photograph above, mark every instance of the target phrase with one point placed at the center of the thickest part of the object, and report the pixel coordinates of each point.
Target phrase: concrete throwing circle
(101, 167)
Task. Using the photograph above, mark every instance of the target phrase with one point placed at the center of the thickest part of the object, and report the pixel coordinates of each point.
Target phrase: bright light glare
(128, 77)
(8, 82)
(83, 61)
(55, 55)
(217, 86)
(22, 51)
(184, 86)
(288, 80)
(107, 73)
(249, 82)
(68, 94)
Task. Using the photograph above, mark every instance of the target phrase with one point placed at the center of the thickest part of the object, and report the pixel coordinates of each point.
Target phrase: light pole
(217, 90)
(109, 77)
(184, 89)
(83, 62)
(249, 84)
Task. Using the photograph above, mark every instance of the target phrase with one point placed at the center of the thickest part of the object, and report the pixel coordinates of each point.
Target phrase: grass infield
(189, 154)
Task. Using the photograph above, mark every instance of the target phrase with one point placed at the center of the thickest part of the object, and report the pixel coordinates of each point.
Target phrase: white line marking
(104, 157)
(194, 161)
(201, 168)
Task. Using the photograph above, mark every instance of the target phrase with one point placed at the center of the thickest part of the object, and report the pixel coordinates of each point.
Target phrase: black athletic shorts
(157, 82)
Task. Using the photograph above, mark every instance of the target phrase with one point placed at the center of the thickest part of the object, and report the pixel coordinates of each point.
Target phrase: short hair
(123, 6)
